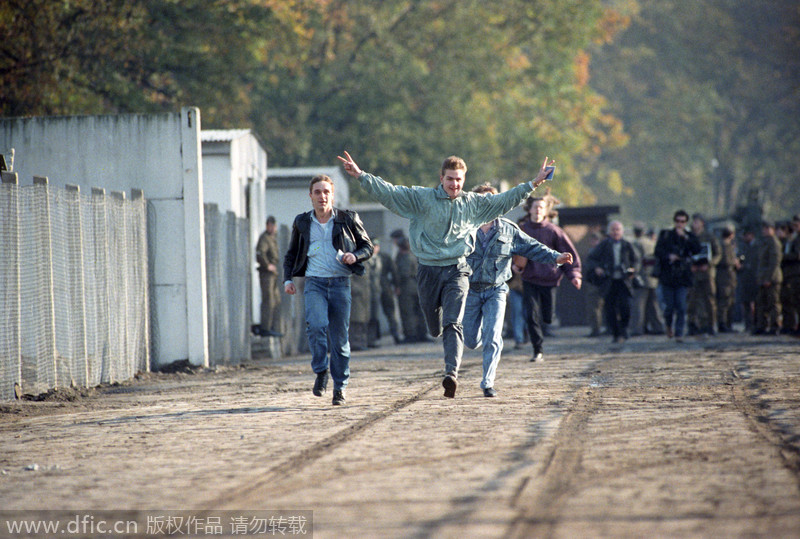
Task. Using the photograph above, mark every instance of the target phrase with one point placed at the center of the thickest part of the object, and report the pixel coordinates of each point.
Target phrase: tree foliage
(708, 92)
(400, 83)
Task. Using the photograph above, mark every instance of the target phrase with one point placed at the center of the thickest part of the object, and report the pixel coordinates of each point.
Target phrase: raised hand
(350, 166)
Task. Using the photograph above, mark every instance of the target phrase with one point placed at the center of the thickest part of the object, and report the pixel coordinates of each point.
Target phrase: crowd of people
(690, 280)
(467, 274)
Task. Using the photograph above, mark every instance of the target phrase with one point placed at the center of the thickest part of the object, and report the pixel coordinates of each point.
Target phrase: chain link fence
(228, 286)
(74, 306)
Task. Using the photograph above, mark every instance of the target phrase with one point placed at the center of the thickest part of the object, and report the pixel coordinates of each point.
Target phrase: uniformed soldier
(702, 300)
(360, 309)
(726, 281)
(268, 260)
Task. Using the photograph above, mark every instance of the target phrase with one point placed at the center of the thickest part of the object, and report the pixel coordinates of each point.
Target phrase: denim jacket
(491, 265)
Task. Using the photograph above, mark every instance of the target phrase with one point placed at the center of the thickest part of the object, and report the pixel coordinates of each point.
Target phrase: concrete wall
(160, 154)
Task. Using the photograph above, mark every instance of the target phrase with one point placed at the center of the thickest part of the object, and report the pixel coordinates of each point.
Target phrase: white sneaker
(538, 357)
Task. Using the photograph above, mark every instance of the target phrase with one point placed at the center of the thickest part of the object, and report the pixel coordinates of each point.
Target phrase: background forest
(649, 104)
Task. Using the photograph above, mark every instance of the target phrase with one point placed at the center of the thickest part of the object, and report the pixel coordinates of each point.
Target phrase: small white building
(234, 178)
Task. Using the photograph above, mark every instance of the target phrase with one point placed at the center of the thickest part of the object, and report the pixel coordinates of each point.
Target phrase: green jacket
(442, 231)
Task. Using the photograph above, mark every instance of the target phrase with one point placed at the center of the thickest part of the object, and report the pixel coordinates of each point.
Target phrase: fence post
(41, 185)
(118, 264)
(102, 295)
(9, 232)
(74, 227)
(137, 196)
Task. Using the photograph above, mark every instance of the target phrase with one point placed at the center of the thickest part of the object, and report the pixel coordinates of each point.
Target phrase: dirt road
(657, 439)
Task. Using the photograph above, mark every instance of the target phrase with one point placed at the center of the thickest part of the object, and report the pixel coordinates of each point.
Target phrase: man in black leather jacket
(327, 246)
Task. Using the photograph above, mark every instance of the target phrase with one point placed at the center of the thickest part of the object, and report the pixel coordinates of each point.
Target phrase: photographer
(613, 266)
(674, 250)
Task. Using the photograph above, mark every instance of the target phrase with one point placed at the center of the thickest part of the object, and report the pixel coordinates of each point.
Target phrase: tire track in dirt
(541, 497)
(540, 502)
(278, 476)
(561, 452)
(746, 399)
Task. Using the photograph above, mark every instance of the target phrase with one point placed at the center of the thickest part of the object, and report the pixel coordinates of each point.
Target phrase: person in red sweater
(539, 280)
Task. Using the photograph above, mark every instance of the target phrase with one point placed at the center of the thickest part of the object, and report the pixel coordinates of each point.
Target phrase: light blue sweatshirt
(442, 231)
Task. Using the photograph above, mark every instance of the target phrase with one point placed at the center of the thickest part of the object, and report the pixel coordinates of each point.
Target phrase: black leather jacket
(348, 235)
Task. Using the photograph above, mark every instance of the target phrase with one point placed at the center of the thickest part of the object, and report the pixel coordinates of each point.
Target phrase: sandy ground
(654, 439)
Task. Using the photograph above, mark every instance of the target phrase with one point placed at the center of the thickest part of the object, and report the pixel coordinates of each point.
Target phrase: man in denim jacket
(443, 223)
(485, 310)
(327, 246)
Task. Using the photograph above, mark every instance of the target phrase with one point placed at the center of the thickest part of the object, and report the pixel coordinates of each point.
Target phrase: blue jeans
(517, 314)
(327, 306)
(673, 300)
(442, 296)
(483, 323)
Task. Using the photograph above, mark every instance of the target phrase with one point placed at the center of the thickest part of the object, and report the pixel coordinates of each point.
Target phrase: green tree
(708, 92)
(402, 84)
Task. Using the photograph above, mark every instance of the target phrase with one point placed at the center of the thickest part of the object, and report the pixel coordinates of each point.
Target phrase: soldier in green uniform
(726, 281)
(768, 278)
(268, 260)
(702, 300)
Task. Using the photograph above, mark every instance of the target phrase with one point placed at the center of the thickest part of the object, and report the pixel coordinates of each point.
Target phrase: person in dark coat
(540, 281)
(674, 251)
(614, 263)
(327, 246)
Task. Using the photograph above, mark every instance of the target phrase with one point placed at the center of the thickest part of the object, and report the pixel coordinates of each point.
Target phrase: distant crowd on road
(473, 277)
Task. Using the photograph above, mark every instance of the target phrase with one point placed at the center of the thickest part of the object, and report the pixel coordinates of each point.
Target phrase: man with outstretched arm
(443, 224)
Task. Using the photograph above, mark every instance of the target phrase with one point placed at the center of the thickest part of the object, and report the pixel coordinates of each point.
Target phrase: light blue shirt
(321, 254)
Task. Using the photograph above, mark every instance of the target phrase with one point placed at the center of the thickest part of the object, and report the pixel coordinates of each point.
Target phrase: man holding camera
(674, 250)
(615, 264)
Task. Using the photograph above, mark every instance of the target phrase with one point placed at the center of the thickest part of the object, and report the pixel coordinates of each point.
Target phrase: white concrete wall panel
(159, 154)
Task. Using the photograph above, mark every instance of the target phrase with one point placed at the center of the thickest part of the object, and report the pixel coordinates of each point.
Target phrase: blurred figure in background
(791, 278)
(702, 299)
(268, 259)
(594, 299)
(645, 313)
(674, 251)
(768, 278)
(386, 294)
(748, 288)
(615, 263)
(726, 280)
(541, 280)
(414, 327)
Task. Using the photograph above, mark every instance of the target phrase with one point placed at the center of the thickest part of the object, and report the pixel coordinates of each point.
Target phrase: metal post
(78, 297)
(10, 229)
(41, 184)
